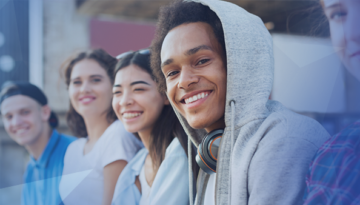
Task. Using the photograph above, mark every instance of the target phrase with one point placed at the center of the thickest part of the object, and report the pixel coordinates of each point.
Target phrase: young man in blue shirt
(30, 122)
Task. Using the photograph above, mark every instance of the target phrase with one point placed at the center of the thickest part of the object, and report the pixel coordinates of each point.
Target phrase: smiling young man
(214, 60)
(29, 122)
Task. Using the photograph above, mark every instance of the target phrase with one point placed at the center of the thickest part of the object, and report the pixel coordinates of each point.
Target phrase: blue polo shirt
(42, 176)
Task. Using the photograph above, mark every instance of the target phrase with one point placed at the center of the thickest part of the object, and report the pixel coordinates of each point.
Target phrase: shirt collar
(136, 167)
(44, 158)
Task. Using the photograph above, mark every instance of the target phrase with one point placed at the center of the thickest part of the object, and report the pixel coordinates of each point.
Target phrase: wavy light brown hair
(74, 120)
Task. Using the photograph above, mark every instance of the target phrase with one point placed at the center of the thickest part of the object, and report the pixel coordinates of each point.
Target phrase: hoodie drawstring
(232, 105)
(191, 183)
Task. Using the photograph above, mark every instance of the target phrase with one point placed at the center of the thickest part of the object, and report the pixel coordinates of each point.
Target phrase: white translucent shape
(2, 39)
(7, 63)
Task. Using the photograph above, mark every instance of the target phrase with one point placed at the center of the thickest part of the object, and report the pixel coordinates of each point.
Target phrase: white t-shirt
(210, 191)
(83, 181)
(145, 188)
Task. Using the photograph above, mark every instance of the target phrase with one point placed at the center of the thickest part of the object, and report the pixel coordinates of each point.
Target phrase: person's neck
(219, 124)
(95, 127)
(37, 148)
(145, 138)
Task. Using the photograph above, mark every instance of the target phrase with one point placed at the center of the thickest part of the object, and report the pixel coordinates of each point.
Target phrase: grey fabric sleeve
(277, 172)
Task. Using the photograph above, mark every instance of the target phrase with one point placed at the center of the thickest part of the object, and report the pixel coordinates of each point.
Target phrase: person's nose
(187, 78)
(352, 27)
(16, 121)
(126, 99)
(85, 87)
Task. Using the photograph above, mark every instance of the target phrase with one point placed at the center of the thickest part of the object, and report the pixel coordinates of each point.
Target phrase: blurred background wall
(36, 36)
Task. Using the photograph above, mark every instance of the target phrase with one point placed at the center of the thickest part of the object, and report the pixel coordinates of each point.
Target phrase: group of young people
(187, 121)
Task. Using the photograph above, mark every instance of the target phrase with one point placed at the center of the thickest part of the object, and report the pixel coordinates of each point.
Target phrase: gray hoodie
(266, 149)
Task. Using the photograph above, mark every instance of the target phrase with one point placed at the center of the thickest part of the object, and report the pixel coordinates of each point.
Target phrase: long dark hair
(74, 120)
(167, 126)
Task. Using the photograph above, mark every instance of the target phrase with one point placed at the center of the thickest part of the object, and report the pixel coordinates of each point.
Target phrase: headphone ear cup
(203, 163)
(206, 158)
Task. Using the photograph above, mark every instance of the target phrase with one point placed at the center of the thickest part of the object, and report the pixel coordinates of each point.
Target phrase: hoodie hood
(250, 66)
(250, 71)
(265, 149)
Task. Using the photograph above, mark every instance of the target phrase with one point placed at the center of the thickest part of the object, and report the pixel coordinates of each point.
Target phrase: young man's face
(24, 119)
(193, 64)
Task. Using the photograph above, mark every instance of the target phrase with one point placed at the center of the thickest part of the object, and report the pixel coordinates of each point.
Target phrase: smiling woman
(154, 177)
(95, 59)
(343, 17)
(107, 148)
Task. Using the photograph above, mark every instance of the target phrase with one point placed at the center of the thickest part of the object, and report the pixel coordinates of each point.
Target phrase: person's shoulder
(63, 142)
(67, 138)
(117, 135)
(136, 162)
(139, 155)
(175, 149)
(348, 135)
(117, 130)
(336, 164)
(284, 123)
(288, 117)
(75, 144)
(116, 126)
(346, 142)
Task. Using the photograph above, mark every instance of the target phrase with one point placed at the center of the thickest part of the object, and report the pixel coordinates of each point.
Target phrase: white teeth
(20, 131)
(131, 115)
(86, 100)
(196, 97)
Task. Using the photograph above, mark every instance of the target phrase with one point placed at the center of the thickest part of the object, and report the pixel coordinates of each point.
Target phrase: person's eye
(24, 112)
(76, 82)
(116, 92)
(172, 73)
(96, 80)
(139, 89)
(8, 117)
(203, 61)
(338, 15)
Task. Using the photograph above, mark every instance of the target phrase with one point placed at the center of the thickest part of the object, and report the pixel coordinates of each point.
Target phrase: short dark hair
(29, 90)
(178, 13)
(74, 119)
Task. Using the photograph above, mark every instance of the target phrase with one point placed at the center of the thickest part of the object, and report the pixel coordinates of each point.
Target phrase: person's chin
(131, 129)
(24, 141)
(198, 122)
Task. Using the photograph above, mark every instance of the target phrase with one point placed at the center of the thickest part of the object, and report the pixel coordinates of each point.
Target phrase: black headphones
(206, 157)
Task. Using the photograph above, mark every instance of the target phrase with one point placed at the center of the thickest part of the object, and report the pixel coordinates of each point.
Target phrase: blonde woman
(93, 163)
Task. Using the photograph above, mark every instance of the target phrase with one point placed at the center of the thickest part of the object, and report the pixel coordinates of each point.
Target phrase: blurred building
(36, 36)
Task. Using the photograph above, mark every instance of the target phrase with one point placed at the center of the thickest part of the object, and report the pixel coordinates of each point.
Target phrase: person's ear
(45, 112)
